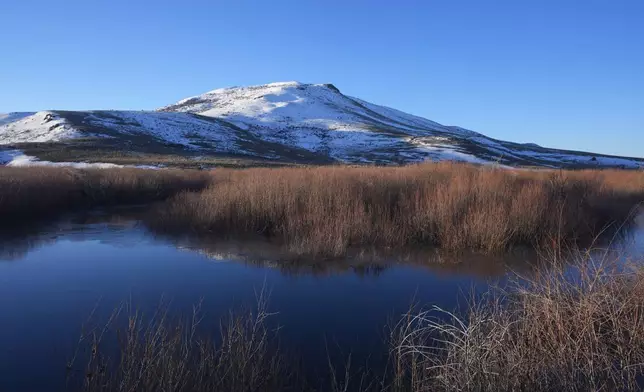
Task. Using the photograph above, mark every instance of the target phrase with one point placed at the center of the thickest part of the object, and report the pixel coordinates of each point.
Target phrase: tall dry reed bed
(326, 210)
(35, 192)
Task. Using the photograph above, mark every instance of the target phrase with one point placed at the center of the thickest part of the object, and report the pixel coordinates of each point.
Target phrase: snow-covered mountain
(287, 121)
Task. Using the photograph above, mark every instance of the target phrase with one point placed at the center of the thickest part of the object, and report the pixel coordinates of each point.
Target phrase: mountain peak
(281, 85)
(292, 83)
(278, 101)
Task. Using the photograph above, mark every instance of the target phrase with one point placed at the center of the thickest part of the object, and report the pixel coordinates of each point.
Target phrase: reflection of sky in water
(635, 243)
(627, 247)
(50, 286)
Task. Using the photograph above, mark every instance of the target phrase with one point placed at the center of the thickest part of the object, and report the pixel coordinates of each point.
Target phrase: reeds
(578, 331)
(158, 353)
(327, 210)
(36, 192)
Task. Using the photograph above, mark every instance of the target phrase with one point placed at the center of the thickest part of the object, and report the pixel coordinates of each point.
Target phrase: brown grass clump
(34, 192)
(555, 333)
(327, 210)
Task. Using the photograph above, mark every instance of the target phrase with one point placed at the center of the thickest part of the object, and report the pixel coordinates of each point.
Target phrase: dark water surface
(52, 278)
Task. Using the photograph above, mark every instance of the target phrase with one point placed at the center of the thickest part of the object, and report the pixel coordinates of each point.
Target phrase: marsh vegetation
(548, 333)
(571, 321)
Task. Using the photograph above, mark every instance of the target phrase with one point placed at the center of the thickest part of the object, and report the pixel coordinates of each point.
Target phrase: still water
(53, 278)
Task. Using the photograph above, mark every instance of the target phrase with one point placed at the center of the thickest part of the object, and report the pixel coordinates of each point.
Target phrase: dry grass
(29, 193)
(157, 354)
(574, 333)
(327, 210)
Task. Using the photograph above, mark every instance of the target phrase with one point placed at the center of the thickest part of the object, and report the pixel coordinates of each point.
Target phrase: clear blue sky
(561, 73)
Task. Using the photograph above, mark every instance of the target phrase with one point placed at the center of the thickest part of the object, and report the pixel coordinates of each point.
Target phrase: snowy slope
(319, 118)
(34, 128)
(290, 105)
(288, 121)
(6, 118)
(49, 126)
(176, 128)
(146, 130)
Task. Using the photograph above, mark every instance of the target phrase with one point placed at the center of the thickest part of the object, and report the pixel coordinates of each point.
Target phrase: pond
(53, 277)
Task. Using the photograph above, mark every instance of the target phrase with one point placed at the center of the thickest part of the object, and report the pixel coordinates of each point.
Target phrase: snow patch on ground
(535, 153)
(445, 152)
(438, 148)
(585, 159)
(16, 158)
(7, 156)
(29, 161)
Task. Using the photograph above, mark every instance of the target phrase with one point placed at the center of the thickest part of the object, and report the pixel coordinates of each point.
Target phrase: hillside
(279, 122)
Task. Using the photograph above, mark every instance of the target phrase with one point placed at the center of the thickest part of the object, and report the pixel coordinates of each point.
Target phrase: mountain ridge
(289, 121)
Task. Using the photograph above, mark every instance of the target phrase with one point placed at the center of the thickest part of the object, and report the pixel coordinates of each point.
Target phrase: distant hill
(286, 122)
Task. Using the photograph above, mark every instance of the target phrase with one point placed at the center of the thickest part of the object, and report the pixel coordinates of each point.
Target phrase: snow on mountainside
(317, 117)
(288, 121)
(34, 128)
(320, 119)
(292, 104)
